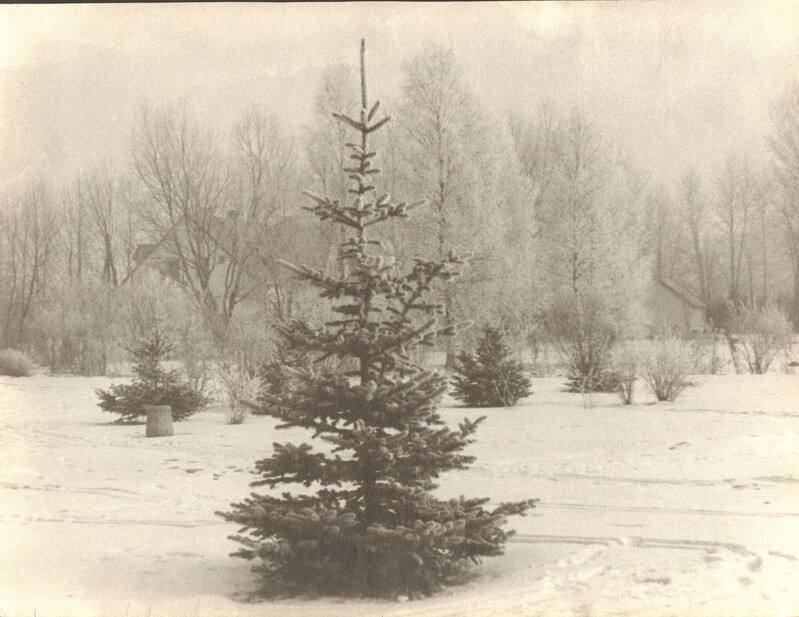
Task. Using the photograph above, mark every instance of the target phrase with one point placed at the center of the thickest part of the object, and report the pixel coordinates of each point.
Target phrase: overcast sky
(673, 83)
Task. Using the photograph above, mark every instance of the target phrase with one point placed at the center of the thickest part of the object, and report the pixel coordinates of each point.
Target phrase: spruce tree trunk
(159, 421)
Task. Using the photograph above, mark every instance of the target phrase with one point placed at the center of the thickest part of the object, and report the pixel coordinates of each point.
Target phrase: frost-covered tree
(784, 146)
(591, 241)
(740, 193)
(28, 233)
(372, 527)
(462, 162)
(695, 215)
(209, 212)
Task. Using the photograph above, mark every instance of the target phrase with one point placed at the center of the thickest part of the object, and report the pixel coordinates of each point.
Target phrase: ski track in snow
(683, 508)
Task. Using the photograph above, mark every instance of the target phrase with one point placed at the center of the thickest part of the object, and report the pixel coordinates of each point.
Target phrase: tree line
(546, 204)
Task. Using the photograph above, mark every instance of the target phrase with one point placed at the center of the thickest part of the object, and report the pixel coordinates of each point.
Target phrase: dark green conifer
(370, 525)
(152, 384)
(489, 377)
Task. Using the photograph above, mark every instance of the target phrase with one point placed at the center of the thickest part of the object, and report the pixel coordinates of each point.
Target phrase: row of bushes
(664, 364)
(488, 377)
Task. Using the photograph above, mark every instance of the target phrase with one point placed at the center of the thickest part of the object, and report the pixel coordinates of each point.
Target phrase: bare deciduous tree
(326, 138)
(98, 191)
(74, 235)
(695, 214)
(29, 228)
(266, 171)
(209, 212)
(784, 145)
(187, 183)
(740, 191)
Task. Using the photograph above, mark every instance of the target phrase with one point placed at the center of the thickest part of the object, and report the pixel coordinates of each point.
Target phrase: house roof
(681, 291)
(299, 240)
(143, 251)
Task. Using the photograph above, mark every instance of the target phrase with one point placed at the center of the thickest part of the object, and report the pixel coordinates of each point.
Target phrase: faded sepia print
(399, 309)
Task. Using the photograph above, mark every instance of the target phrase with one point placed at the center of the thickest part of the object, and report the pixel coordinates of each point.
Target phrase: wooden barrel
(159, 421)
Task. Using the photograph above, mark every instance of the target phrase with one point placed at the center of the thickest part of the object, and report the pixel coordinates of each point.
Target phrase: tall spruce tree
(373, 527)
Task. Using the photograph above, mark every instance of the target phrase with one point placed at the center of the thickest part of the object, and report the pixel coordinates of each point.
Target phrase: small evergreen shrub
(14, 363)
(758, 335)
(241, 390)
(489, 377)
(152, 385)
(665, 364)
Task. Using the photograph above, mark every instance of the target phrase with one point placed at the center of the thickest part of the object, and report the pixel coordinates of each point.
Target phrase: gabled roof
(682, 292)
(143, 251)
(298, 239)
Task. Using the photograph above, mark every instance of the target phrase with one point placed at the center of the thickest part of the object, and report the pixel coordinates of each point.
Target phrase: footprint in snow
(663, 580)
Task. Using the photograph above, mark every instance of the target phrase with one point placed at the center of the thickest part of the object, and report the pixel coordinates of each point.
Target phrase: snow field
(685, 508)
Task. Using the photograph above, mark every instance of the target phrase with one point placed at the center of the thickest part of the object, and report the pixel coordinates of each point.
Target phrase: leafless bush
(78, 333)
(624, 364)
(665, 364)
(250, 339)
(14, 363)
(239, 388)
(788, 362)
(583, 333)
(757, 335)
(709, 355)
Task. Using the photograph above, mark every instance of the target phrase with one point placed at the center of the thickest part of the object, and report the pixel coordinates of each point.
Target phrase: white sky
(673, 83)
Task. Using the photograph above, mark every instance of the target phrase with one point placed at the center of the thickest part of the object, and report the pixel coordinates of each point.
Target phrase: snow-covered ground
(690, 508)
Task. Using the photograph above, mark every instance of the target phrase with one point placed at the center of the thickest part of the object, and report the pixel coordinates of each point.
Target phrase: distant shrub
(489, 377)
(665, 364)
(77, 333)
(602, 379)
(241, 390)
(250, 342)
(758, 335)
(710, 356)
(584, 332)
(14, 363)
(788, 362)
(624, 364)
(152, 385)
